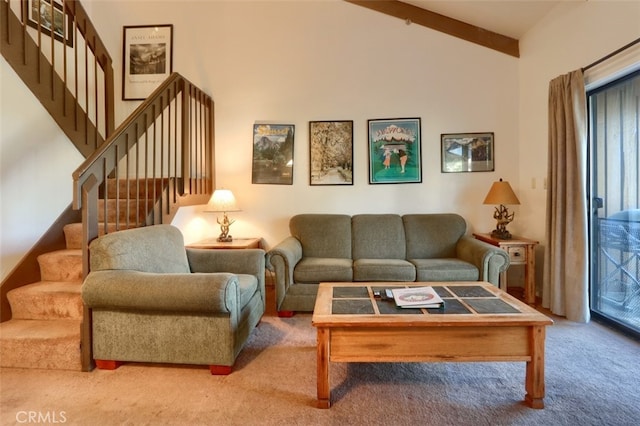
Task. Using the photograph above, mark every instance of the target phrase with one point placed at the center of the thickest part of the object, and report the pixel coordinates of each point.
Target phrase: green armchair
(152, 300)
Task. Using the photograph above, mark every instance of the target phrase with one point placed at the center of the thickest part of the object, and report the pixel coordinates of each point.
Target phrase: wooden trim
(443, 24)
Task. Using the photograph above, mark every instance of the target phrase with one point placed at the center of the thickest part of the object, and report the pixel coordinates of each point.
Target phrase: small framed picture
(273, 154)
(331, 152)
(467, 152)
(394, 151)
(48, 15)
(147, 59)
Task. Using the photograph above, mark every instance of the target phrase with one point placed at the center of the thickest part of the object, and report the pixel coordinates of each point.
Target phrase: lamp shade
(501, 193)
(222, 200)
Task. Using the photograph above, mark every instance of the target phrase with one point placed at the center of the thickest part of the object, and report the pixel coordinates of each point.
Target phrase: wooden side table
(236, 243)
(521, 252)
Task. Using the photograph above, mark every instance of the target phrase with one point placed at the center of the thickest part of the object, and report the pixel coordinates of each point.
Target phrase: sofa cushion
(445, 270)
(378, 236)
(433, 235)
(248, 285)
(323, 235)
(317, 269)
(383, 270)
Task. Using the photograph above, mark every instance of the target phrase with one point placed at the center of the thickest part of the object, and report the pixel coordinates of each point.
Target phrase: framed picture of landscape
(273, 154)
(147, 59)
(467, 152)
(331, 152)
(394, 151)
(48, 15)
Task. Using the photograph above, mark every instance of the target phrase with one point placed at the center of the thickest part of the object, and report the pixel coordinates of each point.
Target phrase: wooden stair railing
(73, 81)
(71, 73)
(159, 159)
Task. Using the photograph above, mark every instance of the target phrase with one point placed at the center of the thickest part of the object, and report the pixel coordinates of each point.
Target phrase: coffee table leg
(324, 392)
(534, 381)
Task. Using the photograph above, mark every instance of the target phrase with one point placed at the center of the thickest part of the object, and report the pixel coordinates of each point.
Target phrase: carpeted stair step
(47, 300)
(127, 211)
(47, 344)
(61, 265)
(143, 188)
(73, 233)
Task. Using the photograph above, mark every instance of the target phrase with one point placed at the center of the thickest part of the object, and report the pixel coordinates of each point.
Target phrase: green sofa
(152, 300)
(376, 247)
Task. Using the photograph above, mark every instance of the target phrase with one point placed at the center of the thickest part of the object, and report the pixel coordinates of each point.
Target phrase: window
(614, 176)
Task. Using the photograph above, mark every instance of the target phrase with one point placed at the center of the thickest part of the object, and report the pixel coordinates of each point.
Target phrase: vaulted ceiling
(494, 24)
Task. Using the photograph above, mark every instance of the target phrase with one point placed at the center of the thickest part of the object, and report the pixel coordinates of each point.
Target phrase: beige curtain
(565, 289)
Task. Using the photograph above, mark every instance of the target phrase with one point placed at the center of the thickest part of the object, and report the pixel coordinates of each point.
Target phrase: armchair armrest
(489, 260)
(134, 290)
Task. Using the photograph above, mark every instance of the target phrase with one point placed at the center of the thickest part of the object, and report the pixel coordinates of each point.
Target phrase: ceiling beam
(435, 21)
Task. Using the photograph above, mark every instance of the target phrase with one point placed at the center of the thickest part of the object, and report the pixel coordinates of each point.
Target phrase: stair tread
(50, 287)
(63, 252)
(16, 329)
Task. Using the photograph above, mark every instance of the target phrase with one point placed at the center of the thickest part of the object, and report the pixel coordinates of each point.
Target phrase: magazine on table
(417, 297)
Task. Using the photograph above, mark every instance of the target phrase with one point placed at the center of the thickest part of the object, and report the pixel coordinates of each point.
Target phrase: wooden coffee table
(479, 323)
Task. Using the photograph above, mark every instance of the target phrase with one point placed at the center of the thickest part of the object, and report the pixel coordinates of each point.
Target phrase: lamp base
(501, 234)
(225, 239)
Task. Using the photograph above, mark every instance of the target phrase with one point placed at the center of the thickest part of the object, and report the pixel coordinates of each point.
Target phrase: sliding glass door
(614, 151)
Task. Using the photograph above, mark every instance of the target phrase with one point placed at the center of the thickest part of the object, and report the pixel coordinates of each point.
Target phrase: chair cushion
(383, 270)
(445, 270)
(248, 285)
(378, 236)
(311, 270)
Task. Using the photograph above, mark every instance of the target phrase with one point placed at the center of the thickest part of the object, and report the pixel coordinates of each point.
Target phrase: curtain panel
(565, 289)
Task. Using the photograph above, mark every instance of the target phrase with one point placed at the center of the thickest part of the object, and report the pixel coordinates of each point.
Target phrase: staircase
(159, 159)
(45, 328)
(44, 331)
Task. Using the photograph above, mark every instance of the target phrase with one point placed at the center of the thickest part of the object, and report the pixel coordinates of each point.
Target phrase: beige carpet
(592, 378)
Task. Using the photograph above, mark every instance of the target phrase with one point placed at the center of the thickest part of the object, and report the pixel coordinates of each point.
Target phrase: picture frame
(395, 153)
(147, 59)
(273, 154)
(467, 152)
(40, 14)
(331, 152)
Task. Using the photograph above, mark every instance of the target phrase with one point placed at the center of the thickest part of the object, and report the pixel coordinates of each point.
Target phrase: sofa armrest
(490, 260)
(283, 258)
(134, 290)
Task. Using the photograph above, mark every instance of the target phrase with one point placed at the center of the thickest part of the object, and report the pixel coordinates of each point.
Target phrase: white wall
(36, 162)
(292, 62)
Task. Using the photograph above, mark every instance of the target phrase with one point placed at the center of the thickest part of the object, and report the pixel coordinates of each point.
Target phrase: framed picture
(394, 151)
(273, 154)
(147, 59)
(48, 15)
(331, 152)
(467, 152)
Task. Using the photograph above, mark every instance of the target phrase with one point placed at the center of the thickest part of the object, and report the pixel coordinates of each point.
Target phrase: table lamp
(501, 193)
(223, 201)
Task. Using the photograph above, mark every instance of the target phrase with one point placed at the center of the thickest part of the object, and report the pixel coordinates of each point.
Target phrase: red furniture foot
(107, 364)
(220, 370)
(285, 314)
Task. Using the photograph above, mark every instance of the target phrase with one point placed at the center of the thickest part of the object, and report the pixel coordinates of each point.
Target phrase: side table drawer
(517, 254)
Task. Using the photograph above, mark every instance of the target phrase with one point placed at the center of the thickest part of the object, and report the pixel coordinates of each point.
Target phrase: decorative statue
(224, 227)
(503, 218)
